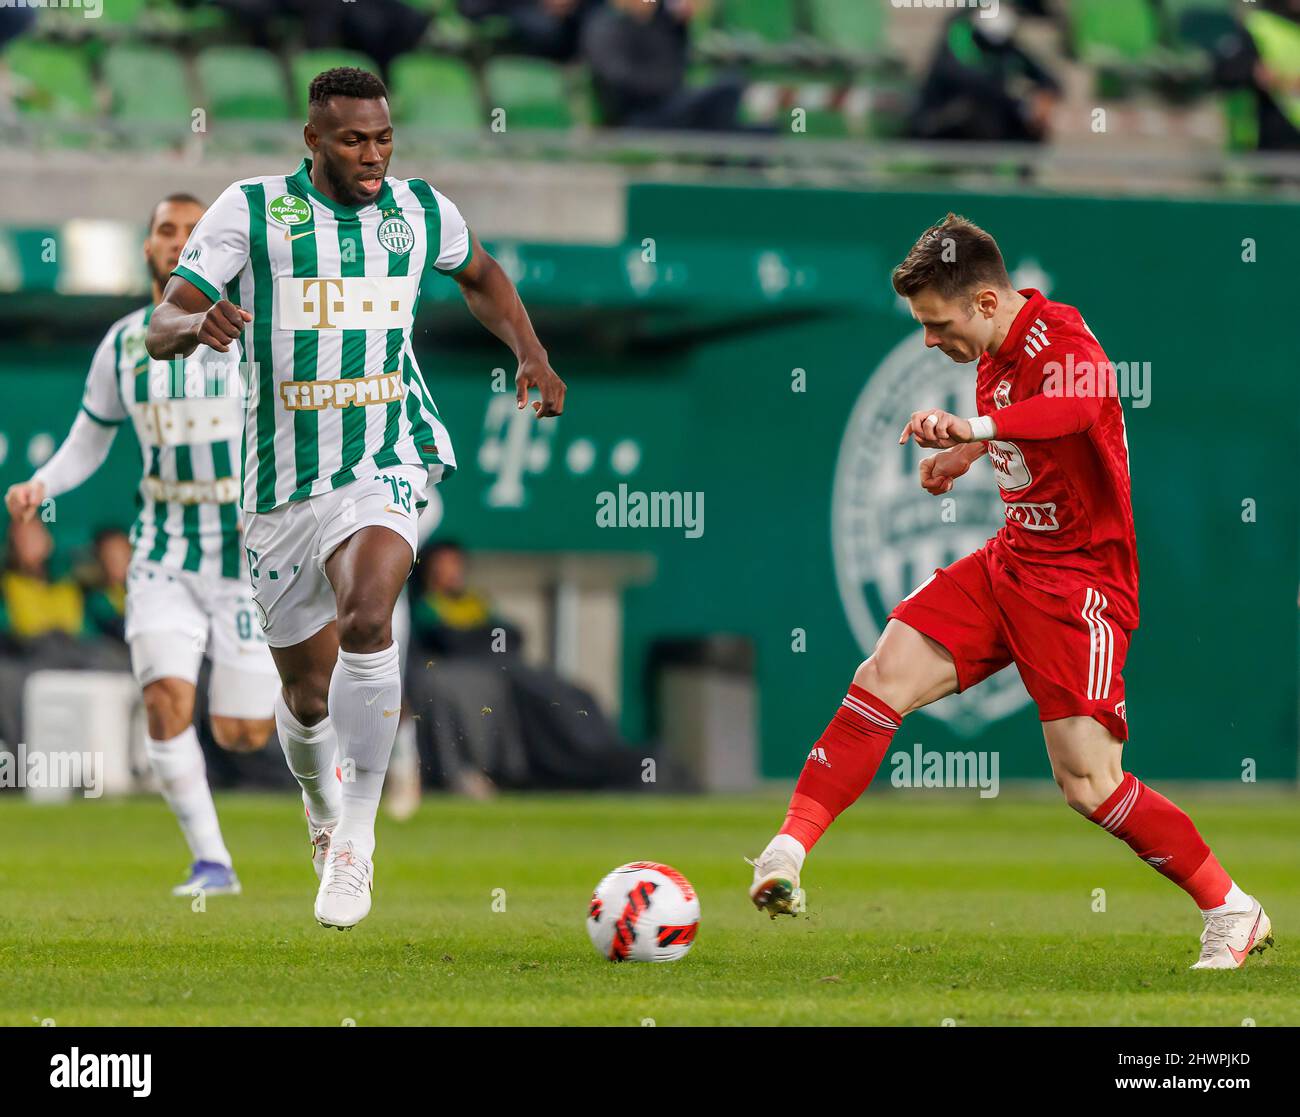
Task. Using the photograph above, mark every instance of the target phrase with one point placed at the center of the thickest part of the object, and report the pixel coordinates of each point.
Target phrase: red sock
(840, 765)
(1165, 838)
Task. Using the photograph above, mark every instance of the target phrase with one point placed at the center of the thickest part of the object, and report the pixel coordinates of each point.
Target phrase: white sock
(178, 763)
(311, 753)
(1235, 900)
(365, 706)
(788, 844)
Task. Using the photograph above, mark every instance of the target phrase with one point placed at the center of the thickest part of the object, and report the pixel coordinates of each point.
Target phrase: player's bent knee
(241, 734)
(168, 707)
(365, 630)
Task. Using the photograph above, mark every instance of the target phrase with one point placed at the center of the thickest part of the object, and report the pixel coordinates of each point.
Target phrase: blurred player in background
(315, 275)
(187, 588)
(1055, 591)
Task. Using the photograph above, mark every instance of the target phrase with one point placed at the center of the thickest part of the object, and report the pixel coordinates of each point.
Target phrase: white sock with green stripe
(178, 763)
(311, 751)
(365, 705)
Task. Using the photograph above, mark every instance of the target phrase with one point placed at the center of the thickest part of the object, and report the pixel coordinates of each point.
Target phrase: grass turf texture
(921, 907)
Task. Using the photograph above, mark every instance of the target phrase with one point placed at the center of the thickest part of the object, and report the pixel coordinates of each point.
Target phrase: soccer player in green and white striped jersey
(187, 587)
(314, 276)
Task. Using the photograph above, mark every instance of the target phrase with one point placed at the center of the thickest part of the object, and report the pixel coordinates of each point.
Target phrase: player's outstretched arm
(186, 318)
(81, 454)
(493, 300)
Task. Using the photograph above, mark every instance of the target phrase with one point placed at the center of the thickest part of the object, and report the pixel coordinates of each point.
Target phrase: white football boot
(1230, 936)
(343, 899)
(776, 883)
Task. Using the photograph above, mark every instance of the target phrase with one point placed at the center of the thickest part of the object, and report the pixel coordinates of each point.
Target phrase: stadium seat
(51, 79)
(531, 91)
(309, 63)
(436, 92)
(242, 83)
(849, 24)
(770, 20)
(148, 84)
(1101, 28)
(123, 12)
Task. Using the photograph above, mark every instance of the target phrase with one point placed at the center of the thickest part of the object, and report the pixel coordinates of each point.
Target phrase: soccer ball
(643, 912)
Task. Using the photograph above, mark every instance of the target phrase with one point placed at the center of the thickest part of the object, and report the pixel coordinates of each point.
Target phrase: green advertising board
(744, 347)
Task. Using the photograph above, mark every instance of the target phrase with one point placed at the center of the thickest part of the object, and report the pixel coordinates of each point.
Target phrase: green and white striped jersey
(334, 389)
(189, 419)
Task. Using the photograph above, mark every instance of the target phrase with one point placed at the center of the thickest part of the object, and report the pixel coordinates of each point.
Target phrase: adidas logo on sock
(819, 754)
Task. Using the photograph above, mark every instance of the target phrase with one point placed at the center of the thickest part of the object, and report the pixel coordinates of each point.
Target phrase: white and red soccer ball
(643, 912)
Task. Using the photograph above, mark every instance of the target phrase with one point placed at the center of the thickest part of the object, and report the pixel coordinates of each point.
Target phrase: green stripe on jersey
(189, 512)
(260, 260)
(306, 349)
(352, 261)
(230, 543)
(159, 551)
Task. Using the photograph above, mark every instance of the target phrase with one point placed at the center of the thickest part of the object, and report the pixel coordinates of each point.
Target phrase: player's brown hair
(179, 196)
(954, 257)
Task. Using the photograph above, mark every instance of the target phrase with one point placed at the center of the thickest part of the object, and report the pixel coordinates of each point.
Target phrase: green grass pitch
(922, 908)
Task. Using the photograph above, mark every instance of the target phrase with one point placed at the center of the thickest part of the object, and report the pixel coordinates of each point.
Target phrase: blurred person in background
(983, 86)
(546, 28)
(104, 584)
(638, 54)
(1260, 52)
(32, 604)
(448, 618)
(187, 591)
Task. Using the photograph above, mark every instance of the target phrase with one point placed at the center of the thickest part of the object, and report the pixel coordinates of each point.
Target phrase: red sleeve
(1042, 417)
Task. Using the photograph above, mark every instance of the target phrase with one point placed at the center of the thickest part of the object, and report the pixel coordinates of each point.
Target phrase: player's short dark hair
(180, 196)
(954, 257)
(106, 532)
(345, 81)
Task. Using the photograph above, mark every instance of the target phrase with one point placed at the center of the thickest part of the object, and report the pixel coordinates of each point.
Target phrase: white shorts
(288, 546)
(175, 617)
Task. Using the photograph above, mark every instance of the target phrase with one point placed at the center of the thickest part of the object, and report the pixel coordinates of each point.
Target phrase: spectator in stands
(982, 85)
(638, 53)
(450, 619)
(1261, 53)
(32, 604)
(105, 584)
(547, 28)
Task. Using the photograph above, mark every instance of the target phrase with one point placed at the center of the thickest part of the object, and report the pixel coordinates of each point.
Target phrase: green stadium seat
(242, 83)
(436, 92)
(771, 20)
(51, 79)
(123, 12)
(532, 92)
(148, 84)
(1106, 28)
(852, 24)
(307, 64)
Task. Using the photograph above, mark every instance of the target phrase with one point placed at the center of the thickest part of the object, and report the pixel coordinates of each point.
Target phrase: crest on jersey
(289, 210)
(396, 235)
(1002, 394)
(888, 535)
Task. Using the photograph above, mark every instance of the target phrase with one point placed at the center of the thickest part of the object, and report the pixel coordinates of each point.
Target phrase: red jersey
(1060, 456)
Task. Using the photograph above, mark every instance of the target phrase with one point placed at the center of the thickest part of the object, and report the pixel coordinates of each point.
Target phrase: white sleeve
(102, 399)
(456, 249)
(82, 452)
(218, 248)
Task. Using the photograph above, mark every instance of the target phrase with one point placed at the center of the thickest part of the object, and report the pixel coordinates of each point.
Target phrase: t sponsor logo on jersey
(396, 235)
(289, 210)
(1035, 517)
(363, 302)
(221, 490)
(1009, 466)
(361, 391)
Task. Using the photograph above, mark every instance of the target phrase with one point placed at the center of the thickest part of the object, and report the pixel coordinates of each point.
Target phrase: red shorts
(1068, 651)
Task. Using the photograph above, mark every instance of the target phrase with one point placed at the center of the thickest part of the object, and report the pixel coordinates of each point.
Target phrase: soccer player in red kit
(1055, 591)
